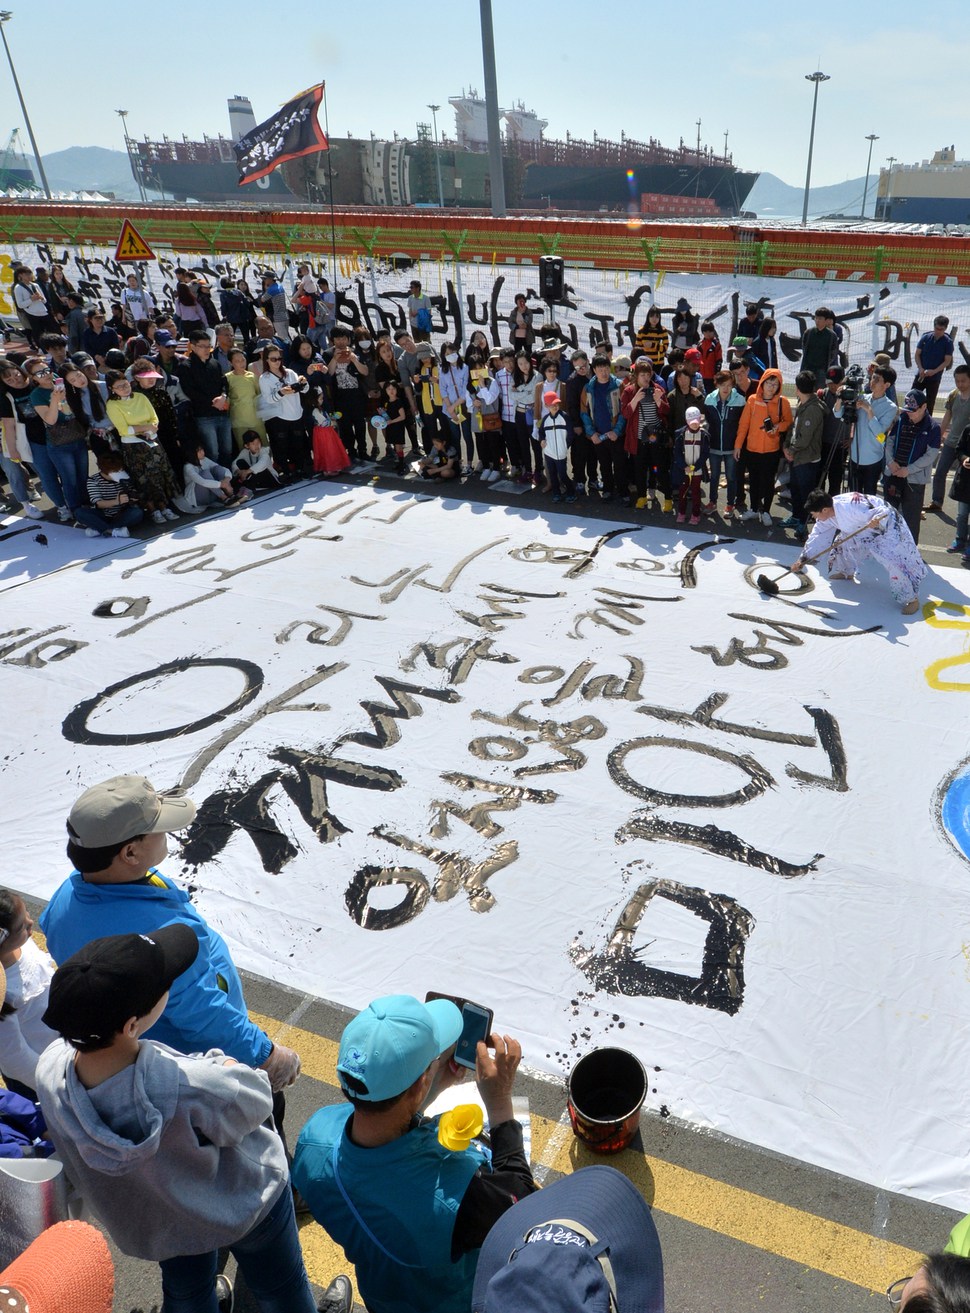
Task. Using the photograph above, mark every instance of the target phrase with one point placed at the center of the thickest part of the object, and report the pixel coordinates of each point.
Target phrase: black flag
(291, 132)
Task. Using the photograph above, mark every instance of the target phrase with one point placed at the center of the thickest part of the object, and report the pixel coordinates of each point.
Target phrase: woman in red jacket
(765, 420)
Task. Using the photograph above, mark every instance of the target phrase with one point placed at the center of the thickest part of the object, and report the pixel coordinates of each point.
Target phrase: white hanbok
(891, 544)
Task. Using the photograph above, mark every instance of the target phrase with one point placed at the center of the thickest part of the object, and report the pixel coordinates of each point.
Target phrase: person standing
(689, 464)
(820, 347)
(911, 450)
(521, 332)
(875, 416)
(280, 397)
(172, 1153)
(933, 357)
(652, 340)
(117, 834)
(136, 301)
(765, 421)
(956, 417)
(723, 408)
(419, 313)
(204, 383)
(803, 448)
(643, 403)
(409, 1213)
(604, 426)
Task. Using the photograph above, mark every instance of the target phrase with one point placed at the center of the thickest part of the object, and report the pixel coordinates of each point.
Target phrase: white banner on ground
(589, 776)
(599, 304)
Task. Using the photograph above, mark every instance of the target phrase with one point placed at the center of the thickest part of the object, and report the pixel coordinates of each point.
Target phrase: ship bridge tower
(241, 117)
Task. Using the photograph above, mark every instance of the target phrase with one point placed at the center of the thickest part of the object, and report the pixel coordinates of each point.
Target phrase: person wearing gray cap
(118, 832)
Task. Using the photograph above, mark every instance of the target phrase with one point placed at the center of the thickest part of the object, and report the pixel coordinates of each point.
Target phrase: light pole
(815, 77)
(437, 156)
(5, 17)
(123, 115)
(888, 208)
(871, 138)
(495, 167)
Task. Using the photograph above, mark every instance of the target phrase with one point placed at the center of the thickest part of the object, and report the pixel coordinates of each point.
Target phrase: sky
(626, 67)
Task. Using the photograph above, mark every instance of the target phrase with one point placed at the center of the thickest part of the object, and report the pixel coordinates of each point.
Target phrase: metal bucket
(33, 1196)
(606, 1090)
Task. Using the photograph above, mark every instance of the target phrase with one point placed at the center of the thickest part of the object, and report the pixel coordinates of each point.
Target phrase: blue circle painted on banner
(955, 811)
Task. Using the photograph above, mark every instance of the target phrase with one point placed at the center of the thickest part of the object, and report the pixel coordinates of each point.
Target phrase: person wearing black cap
(586, 1242)
(911, 450)
(175, 1155)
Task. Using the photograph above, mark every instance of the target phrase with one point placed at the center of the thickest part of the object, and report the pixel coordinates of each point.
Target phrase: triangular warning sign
(132, 247)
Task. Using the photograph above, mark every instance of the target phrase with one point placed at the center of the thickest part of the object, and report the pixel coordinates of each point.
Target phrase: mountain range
(94, 168)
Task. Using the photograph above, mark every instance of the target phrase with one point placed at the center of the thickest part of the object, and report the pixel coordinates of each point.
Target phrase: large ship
(597, 175)
(935, 191)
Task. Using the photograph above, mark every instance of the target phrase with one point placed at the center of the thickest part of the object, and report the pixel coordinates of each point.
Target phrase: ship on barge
(540, 174)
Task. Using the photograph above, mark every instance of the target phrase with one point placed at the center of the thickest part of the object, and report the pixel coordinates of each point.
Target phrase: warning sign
(132, 247)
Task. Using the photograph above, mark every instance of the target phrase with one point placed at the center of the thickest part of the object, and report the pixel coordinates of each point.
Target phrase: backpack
(422, 320)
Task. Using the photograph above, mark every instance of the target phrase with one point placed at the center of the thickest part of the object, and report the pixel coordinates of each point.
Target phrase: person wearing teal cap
(410, 1213)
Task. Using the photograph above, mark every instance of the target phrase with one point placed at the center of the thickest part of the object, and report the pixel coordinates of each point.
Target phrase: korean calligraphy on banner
(584, 773)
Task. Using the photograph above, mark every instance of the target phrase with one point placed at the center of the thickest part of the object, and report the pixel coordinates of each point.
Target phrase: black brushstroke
(759, 779)
(712, 839)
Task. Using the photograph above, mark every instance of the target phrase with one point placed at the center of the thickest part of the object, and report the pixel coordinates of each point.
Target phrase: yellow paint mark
(936, 668)
(791, 1233)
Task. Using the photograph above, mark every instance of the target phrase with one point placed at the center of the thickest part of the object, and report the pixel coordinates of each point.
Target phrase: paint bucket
(606, 1089)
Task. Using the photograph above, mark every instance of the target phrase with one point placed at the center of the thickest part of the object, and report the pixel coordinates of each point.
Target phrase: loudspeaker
(552, 277)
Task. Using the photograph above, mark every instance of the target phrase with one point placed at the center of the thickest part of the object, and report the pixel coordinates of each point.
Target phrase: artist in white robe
(885, 538)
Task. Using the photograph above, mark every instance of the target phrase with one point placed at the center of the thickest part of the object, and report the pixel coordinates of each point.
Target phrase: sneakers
(556, 497)
(695, 519)
(33, 512)
(669, 504)
(729, 509)
(338, 1297)
(954, 547)
(225, 1299)
(935, 506)
(64, 514)
(681, 517)
(120, 532)
(169, 514)
(641, 503)
(570, 499)
(766, 519)
(92, 533)
(158, 517)
(709, 509)
(790, 523)
(910, 607)
(750, 515)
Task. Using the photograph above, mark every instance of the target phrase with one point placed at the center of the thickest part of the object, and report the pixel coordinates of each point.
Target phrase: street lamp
(888, 207)
(5, 17)
(136, 172)
(437, 157)
(815, 77)
(871, 138)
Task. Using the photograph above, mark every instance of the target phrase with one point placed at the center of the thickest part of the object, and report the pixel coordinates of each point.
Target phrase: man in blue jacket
(117, 834)
(604, 424)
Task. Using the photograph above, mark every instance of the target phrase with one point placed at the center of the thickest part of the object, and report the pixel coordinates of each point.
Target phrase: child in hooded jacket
(692, 447)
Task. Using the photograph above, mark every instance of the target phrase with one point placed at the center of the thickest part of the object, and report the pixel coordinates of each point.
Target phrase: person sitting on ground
(410, 1213)
(254, 467)
(136, 422)
(174, 1154)
(112, 509)
(441, 461)
(206, 483)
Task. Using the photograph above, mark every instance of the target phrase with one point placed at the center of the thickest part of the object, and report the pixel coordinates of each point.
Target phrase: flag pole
(333, 229)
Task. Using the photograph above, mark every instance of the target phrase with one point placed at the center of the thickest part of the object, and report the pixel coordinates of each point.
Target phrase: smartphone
(476, 1025)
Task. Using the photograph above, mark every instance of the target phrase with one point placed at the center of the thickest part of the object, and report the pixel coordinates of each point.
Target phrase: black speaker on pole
(552, 278)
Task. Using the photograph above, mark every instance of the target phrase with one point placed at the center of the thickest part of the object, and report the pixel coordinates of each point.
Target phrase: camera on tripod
(849, 393)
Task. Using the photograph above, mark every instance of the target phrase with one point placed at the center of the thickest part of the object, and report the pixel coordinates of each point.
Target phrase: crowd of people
(323, 397)
(135, 1061)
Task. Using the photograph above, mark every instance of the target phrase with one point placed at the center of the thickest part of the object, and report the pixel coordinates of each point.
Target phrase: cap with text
(95, 992)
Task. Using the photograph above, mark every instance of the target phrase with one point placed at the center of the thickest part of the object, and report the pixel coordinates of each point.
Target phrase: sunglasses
(41, 373)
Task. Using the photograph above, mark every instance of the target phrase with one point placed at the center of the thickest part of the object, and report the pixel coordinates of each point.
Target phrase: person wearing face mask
(111, 510)
(453, 379)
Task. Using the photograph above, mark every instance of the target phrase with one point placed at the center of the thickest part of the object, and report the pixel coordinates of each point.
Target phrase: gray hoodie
(175, 1155)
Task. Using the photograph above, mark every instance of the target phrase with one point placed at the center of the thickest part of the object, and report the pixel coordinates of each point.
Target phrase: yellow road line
(802, 1237)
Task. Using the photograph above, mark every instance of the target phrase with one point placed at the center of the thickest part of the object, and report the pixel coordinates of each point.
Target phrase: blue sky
(581, 66)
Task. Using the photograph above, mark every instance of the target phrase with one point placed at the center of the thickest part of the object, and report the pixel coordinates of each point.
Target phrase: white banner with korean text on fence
(587, 775)
(598, 304)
